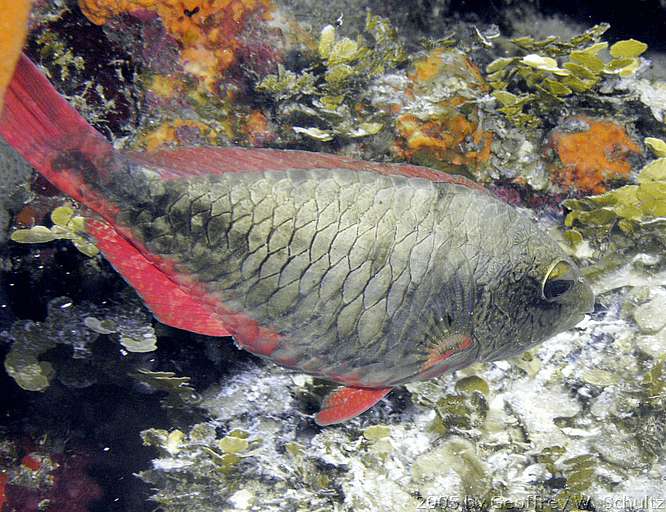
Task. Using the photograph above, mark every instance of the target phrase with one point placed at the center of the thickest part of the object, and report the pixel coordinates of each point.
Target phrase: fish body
(370, 275)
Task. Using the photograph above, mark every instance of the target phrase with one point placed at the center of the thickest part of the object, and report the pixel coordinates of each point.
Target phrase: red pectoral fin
(444, 353)
(347, 402)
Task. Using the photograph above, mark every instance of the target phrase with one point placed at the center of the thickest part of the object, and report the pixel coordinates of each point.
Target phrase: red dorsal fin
(185, 162)
(347, 402)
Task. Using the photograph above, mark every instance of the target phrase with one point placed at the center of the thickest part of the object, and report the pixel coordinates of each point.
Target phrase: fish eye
(559, 279)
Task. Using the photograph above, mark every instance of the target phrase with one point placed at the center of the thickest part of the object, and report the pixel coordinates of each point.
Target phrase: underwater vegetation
(633, 209)
(565, 125)
(556, 69)
(330, 98)
(66, 226)
(79, 328)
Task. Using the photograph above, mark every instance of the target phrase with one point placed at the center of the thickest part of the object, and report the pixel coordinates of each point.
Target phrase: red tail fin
(39, 123)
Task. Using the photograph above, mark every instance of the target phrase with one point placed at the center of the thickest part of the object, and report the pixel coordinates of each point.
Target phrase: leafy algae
(541, 82)
(637, 211)
(331, 94)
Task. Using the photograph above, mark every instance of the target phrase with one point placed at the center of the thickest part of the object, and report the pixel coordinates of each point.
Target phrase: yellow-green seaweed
(555, 69)
(633, 209)
(180, 392)
(66, 226)
(330, 99)
(657, 146)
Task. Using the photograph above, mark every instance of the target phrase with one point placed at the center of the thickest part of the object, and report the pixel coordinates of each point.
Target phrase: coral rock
(452, 139)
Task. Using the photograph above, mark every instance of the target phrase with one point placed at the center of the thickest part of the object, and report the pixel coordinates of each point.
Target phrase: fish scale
(367, 274)
(356, 245)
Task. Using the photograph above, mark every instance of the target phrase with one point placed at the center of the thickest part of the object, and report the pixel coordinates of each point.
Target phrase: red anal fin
(165, 298)
(345, 403)
(200, 161)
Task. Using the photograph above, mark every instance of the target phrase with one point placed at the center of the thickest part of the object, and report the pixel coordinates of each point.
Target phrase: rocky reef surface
(108, 410)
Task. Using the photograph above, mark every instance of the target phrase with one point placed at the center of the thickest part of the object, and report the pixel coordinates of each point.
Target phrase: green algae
(32, 340)
(549, 456)
(472, 384)
(657, 146)
(376, 432)
(52, 48)
(66, 65)
(235, 442)
(329, 99)
(180, 393)
(579, 472)
(628, 49)
(22, 362)
(555, 69)
(208, 471)
(100, 326)
(139, 346)
(85, 330)
(66, 226)
(636, 211)
(600, 378)
(465, 411)
(344, 467)
(654, 383)
(169, 442)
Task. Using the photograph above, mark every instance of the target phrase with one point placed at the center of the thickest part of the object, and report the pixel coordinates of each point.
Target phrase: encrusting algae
(442, 141)
(448, 134)
(168, 132)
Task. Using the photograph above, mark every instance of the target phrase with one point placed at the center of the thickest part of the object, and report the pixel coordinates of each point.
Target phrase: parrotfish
(366, 274)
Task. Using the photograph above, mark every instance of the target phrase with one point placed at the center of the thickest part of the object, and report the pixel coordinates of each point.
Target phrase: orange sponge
(591, 158)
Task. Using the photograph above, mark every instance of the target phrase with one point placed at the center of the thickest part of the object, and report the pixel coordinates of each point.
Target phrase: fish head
(534, 293)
